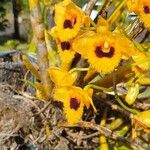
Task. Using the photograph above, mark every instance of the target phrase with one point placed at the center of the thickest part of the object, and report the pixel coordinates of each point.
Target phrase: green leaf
(121, 146)
(32, 47)
(80, 3)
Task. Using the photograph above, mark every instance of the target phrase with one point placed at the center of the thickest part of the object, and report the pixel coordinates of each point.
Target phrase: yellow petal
(87, 21)
(142, 65)
(60, 94)
(88, 98)
(144, 81)
(133, 5)
(61, 77)
(33, 4)
(142, 119)
(82, 42)
(127, 47)
(102, 25)
(73, 115)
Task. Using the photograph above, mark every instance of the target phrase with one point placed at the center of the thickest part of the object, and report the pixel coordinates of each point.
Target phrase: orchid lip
(99, 52)
(74, 103)
(68, 24)
(147, 9)
(65, 45)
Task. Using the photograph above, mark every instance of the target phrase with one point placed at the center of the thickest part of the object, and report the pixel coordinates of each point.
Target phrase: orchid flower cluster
(105, 49)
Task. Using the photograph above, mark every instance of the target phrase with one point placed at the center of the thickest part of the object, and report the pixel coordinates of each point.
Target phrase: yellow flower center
(65, 45)
(104, 50)
(147, 9)
(69, 23)
(74, 103)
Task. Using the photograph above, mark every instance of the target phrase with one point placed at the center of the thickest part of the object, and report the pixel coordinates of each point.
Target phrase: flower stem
(96, 87)
(119, 100)
(39, 39)
(93, 23)
(78, 69)
(141, 61)
(134, 111)
(116, 11)
(102, 139)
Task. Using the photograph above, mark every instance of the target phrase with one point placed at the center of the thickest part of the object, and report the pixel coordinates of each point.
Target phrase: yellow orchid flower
(74, 99)
(100, 50)
(104, 51)
(68, 19)
(142, 120)
(141, 8)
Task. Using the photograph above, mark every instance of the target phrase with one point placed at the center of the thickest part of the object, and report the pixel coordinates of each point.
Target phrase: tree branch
(90, 6)
(42, 54)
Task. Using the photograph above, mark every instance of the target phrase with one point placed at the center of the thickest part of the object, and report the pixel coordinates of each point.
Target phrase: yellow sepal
(61, 77)
(30, 67)
(41, 91)
(33, 3)
(132, 93)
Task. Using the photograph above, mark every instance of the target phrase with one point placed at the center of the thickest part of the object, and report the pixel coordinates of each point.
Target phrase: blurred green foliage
(9, 44)
(24, 4)
(3, 20)
(81, 3)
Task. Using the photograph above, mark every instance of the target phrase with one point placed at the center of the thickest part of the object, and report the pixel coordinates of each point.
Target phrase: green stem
(28, 82)
(78, 69)
(129, 27)
(141, 61)
(119, 100)
(96, 87)
(134, 111)
(116, 10)
(93, 23)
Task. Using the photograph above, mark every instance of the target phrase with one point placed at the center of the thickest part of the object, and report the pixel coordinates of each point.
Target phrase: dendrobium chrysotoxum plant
(107, 46)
